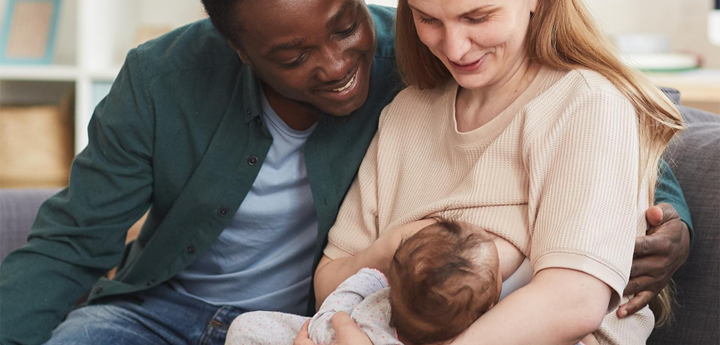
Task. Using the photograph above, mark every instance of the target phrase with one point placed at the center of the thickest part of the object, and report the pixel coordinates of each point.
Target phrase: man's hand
(347, 332)
(657, 256)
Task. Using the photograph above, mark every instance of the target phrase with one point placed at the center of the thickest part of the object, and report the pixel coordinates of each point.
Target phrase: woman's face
(479, 41)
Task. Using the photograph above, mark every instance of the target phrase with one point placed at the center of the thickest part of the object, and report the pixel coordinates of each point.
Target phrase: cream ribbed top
(556, 174)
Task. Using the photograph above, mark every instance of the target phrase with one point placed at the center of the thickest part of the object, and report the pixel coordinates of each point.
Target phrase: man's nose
(334, 65)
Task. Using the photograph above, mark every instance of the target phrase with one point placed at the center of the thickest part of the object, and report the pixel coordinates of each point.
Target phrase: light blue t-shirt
(263, 259)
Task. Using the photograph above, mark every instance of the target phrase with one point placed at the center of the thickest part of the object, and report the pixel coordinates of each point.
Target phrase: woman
(518, 119)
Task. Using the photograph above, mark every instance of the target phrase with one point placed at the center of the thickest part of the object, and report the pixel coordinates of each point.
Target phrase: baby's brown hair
(440, 282)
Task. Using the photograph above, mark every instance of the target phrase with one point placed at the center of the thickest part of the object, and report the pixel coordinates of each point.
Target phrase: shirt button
(252, 160)
(222, 212)
(97, 290)
(247, 111)
(150, 282)
(191, 250)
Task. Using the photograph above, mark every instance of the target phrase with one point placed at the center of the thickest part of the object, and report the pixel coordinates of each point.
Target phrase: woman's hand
(303, 338)
(657, 256)
(346, 331)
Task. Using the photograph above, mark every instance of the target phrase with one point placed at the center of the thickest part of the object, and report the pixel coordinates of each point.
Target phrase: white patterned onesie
(363, 296)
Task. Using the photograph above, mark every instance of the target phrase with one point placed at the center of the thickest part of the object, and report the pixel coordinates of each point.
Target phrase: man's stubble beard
(326, 118)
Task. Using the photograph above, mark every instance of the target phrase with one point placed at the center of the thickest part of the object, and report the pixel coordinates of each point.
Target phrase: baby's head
(441, 280)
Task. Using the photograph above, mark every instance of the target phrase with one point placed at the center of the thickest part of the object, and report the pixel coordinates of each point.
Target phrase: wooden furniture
(699, 88)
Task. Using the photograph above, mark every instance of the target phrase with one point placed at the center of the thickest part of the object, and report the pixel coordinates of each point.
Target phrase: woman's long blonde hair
(563, 35)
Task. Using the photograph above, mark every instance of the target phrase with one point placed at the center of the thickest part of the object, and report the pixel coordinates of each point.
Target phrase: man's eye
(349, 31)
(296, 62)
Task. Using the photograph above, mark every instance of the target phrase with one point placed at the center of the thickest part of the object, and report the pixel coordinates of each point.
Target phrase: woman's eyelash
(471, 20)
(478, 20)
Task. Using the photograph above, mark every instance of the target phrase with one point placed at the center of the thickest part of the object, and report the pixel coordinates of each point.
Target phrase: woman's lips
(468, 67)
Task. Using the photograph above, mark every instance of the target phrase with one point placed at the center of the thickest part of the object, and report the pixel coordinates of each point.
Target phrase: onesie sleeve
(345, 298)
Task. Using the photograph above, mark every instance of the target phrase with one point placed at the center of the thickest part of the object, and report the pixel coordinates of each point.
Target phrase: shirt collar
(250, 94)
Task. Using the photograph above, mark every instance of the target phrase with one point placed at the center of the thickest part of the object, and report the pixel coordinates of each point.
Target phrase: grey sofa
(695, 159)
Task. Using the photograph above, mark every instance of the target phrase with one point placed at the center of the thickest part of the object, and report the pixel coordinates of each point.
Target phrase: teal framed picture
(28, 32)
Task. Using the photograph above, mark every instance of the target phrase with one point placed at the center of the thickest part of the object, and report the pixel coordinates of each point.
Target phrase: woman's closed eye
(427, 20)
(478, 20)
(471, 20)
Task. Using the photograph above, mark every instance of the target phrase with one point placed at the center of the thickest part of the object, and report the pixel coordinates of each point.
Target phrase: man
(242, 142)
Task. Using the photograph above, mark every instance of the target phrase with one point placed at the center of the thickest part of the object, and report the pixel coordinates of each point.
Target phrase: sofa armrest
(18, 208)
(695, 159)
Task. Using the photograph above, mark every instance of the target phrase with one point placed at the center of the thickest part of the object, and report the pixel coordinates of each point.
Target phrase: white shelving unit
(93, 37)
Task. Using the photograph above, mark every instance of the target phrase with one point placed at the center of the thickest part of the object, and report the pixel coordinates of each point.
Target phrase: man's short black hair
(223, 15)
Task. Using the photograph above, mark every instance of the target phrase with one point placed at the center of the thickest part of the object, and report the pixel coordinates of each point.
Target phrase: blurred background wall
(683, 21)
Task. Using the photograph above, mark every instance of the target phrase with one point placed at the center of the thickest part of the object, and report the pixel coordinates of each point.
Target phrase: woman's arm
(331, 273)
(559, 306)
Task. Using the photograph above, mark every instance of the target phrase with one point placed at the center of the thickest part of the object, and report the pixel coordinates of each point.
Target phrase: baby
(440, 281)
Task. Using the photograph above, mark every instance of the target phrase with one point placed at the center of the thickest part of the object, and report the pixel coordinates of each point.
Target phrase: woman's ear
(533, 6)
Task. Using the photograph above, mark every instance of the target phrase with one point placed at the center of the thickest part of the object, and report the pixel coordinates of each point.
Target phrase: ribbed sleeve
(583, 172)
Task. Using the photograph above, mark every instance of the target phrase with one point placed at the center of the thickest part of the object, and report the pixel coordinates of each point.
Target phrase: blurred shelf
(700, 85)
(93, 38)
(104, 75)
(39, 73)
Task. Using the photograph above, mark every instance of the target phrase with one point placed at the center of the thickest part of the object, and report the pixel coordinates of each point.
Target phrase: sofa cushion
(695, 159)
(672, 94)
(18, 208)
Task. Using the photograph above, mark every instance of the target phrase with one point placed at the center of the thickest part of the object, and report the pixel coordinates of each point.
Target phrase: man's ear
(240, 52)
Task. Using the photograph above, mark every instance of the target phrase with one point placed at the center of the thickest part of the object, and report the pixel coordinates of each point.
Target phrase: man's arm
(665, 248)
(657, 257)
(79, 234)
(668, 191)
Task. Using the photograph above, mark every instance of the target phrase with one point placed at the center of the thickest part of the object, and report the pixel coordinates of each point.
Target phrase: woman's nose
(456, 44)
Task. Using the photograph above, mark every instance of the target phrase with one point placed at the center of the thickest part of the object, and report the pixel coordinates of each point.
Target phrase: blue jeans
(157, 316)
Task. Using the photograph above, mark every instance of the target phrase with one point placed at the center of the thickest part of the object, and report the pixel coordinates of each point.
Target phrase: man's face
(316, 52)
